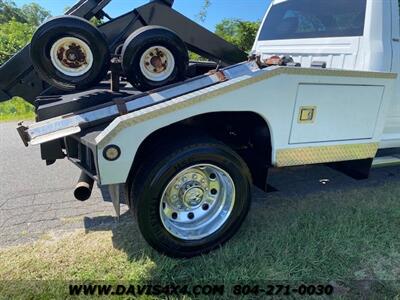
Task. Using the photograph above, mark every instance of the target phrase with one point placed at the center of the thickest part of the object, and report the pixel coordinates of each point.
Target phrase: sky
(249, 10)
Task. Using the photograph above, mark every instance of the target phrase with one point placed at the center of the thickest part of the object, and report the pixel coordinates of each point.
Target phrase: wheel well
(245, 132)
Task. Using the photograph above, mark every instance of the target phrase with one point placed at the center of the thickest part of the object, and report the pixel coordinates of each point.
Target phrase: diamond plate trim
(325, 154)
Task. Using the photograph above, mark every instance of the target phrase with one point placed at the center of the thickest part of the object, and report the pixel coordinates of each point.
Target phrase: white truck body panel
(375, 49)
(277, 106)
(336, 119)
(340, 53)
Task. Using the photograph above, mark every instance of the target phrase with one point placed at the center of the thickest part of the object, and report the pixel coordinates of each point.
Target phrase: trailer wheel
(191, 197)
(70, 53)
(153, 57)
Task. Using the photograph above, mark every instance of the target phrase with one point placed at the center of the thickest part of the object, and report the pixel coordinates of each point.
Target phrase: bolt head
(205, 206)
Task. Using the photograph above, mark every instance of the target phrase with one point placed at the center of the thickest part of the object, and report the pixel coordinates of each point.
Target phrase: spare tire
(154, 56)
(70, 53)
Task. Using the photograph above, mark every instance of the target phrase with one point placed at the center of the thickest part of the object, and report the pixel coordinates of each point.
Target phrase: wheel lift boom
(18, 77)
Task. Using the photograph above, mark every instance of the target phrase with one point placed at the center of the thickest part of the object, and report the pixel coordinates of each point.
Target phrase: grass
(16, 109)
(349, 238)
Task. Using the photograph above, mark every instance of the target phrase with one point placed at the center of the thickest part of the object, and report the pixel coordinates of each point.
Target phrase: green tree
(32, 13)
(17, 26)
(96, 22)
(13, 36)
(238, 32)
(9, 11)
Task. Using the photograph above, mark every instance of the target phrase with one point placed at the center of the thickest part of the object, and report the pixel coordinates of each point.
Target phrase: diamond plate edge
(325, 154)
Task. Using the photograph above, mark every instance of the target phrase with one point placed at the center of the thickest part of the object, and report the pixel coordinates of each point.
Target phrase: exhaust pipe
(83, 189)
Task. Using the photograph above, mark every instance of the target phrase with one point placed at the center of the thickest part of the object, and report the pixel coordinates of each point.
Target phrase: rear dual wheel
(191, 197)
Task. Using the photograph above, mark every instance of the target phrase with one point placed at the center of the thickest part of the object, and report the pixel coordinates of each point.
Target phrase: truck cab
(359, 35)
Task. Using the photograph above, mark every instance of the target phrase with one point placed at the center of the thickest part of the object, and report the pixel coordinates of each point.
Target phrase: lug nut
(174, 215)
(191, 216)
(214, 192)
(213, 176)
(205, 206)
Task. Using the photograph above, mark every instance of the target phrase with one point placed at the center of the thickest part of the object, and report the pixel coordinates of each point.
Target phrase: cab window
(300, 19)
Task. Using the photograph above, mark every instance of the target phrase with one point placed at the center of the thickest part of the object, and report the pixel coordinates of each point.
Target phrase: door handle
(396, 39)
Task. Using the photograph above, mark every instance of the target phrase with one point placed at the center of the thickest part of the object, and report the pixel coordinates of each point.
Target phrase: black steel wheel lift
(18, 77)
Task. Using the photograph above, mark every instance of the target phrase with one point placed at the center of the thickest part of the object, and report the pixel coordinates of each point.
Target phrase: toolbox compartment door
(327, 113)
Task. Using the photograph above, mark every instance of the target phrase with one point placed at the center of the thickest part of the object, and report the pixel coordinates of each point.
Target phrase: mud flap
(356, 169)
(114, 191)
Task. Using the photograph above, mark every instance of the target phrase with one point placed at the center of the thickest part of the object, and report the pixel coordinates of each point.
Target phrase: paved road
(35, 199)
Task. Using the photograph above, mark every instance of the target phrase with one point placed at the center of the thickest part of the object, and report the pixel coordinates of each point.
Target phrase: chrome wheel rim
(71, 56)
(157, 63)
(197, 202)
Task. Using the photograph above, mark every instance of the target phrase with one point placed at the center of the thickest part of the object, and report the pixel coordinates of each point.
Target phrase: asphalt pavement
(36, 199)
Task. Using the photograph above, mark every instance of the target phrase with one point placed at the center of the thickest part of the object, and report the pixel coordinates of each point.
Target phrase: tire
(153, 57)
(156, 177)
(70, 35)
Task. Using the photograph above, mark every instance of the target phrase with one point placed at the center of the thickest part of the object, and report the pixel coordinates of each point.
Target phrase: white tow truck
(188, 153)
